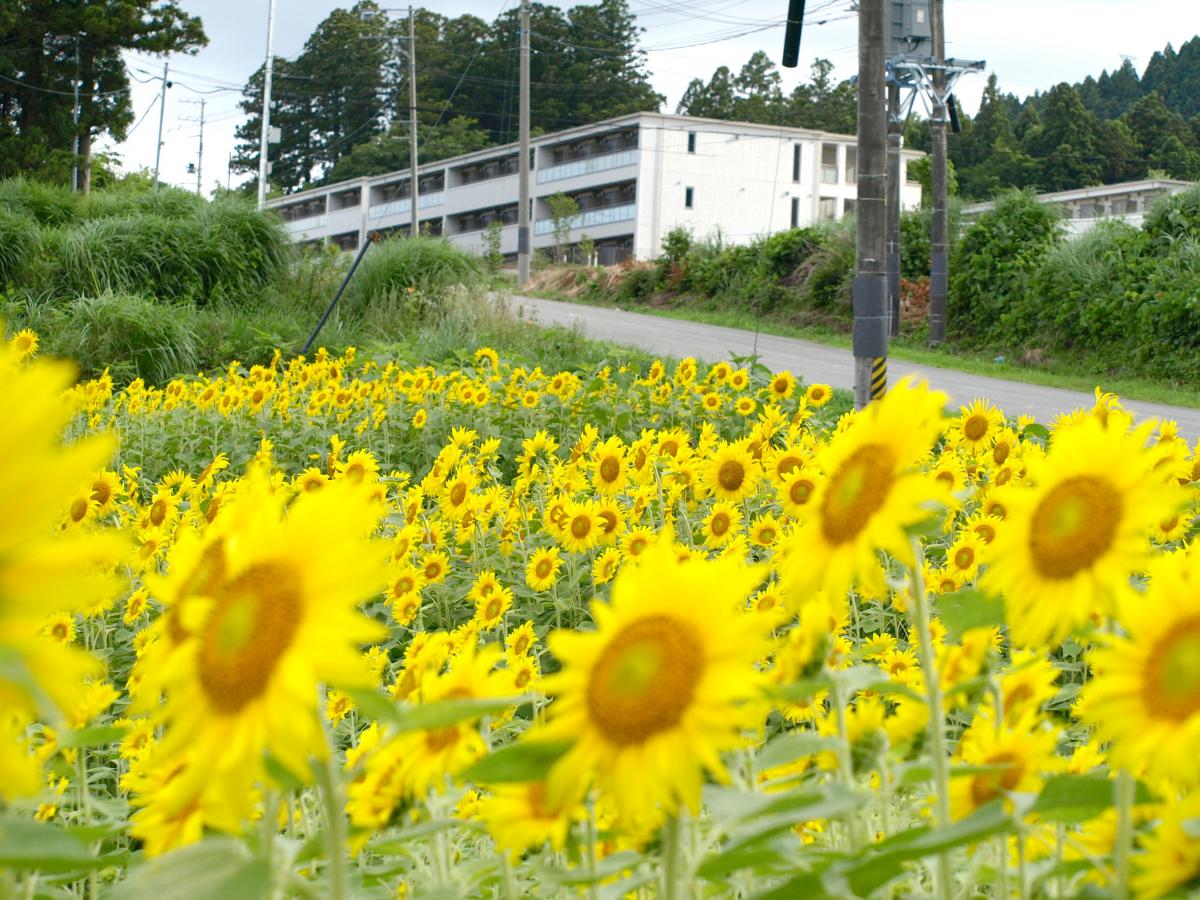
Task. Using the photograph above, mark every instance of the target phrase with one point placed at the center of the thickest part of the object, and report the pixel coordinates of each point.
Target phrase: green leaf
(1077, 798)
(1035, 430)
(284, 777)
(96, 736)
(880, 864)
(969, 608)
(793, 745)
(606, 868)
(211, 870)
(443, 713)
(372, 704)
(38, 845)
(520, 761)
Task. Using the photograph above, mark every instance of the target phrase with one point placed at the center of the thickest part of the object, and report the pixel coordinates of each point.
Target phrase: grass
(1069, 374)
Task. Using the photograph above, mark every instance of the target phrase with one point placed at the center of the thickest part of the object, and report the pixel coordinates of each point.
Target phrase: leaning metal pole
(870, 259)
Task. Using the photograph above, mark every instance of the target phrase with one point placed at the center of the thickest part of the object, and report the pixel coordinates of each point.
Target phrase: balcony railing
(587, 166)
(306, 223)
(591, 218)
(400, 207)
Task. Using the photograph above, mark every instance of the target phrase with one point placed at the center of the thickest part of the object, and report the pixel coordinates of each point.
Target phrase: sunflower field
(342, 627)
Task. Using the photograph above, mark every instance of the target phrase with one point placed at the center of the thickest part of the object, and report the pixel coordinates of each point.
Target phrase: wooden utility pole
(414, 193)
(870, 259)
(523, 243)
(894, 144)
(200, 154)
(938, 181)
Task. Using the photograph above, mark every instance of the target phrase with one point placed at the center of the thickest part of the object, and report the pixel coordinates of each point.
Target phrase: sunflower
(1145, 697)
(581, 528)
(258, 614)
(24, 343)
(519, 818)
(541, 572)
(605, 566)
(490, 610)
(722, 523)
(818, 395)
(797, 491)
(871, 494)
(520, 641)
(1025, 750)
(636, 541)
(661, 687)
(1172, 853)
(105, 487)
(782, 384)
(765, 530)
(42, 570)
(433, 566)
(977, 426)
(731, 472)
(1071, 543)
(962, 558)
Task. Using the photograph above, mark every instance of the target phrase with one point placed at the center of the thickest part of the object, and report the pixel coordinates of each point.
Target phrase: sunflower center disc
(252, 624)
(1074, 525)
(975, 428)
(1173, 686)
(645, 679)
(855, 493)
(580, 526)
(731, 475)
(800, 492)
(458, 494)
(990, 785)
(609, 469)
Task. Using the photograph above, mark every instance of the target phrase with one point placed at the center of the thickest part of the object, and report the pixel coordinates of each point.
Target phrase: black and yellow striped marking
(878, 377)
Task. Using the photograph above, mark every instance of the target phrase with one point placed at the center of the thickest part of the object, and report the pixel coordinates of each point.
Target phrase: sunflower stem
(270, 825)
(335, 839)
(670, 858)
(1124, 788)
(919, 611)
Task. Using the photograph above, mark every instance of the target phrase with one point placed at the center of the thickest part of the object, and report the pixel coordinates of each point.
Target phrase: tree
(562, 210)
(715, 100)
(823, 105)
(389, 152)
(1066, 144)
(39, 70)
(1163, 138)
(759, 91)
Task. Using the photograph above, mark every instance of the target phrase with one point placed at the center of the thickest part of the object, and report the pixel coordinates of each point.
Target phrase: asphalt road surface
(817, 362)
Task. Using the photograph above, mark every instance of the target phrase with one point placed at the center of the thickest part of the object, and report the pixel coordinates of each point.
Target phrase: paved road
(817, 362)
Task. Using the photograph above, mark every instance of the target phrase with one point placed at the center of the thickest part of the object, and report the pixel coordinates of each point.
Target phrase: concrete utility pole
(162, 109)
(269, 66)
(894, 143)
(523, 246)
(75, 119)
(412, 124)
(870, 258)
(938, 181)
(200, 153)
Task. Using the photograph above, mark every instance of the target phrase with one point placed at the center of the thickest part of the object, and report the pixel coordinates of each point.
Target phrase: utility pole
(75, 119)
(894, 144)
(412, 124)
(269, 66)
(200, 153)
(938, 181)
(870, 258)
(162, 109)
(523, 244)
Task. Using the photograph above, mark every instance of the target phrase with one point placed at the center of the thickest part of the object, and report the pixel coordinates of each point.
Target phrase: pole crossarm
(917, 75)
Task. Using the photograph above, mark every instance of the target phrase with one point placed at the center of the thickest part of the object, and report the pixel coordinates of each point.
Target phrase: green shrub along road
(1119, 306)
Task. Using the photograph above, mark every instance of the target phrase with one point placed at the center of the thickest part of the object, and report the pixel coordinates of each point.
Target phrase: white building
(635, 177)
(1082, 208)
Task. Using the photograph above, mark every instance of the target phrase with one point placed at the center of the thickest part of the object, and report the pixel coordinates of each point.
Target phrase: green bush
(826, 279)
(1175, 216)
(991, 268)
(20, 239)
(45, 204)
(131, 334)
(412, 275)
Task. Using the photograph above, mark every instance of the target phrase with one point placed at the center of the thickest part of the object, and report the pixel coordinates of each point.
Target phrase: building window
(848, 207)
(829, 167)
(796, 154)
(851, 165)
(691, 142)
(827, 209)
(795, 212)
(689, 194)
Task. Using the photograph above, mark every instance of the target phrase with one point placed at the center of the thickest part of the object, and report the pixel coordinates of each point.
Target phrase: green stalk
(919, 612)
(1125, 788)
(670, 859)
(335, 840)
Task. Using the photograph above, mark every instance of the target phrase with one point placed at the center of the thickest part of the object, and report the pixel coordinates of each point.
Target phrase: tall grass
(412, 276)
(132, 335)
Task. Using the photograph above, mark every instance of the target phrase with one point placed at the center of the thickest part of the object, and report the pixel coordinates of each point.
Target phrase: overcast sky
(1030, 44)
